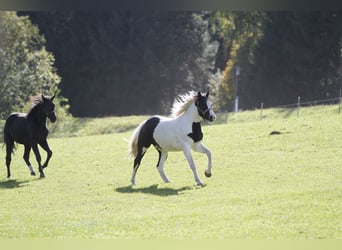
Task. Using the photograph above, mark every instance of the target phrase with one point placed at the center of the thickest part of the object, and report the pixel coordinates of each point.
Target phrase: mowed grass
(285, 186)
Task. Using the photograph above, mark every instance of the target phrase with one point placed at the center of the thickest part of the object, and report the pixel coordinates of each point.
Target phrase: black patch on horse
(146, 133)
(196, 134)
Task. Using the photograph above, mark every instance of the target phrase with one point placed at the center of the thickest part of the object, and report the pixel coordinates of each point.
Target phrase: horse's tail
(8, 140)
(133, 141)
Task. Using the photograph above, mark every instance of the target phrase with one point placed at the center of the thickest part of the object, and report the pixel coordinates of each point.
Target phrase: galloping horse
(30, 130)
(180, 132)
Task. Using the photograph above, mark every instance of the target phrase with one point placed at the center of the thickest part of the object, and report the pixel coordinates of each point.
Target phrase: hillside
(281, 186)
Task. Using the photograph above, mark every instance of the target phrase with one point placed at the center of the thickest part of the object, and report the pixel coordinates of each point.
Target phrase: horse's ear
(53, 97)
(199, 94)
(207, 94)
(43, 98)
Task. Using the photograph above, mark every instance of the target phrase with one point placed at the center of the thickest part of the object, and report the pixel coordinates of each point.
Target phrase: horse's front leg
(38, 158)
(27, 159)
(45, 146)
(188, 156)
(199, 147)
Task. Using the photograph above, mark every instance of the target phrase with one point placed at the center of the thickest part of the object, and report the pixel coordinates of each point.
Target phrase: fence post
(261, 109)
(298, 106)
(339, 101)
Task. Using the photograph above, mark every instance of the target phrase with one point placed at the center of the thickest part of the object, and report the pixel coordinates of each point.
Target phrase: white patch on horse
(211, 111)
(30, 168)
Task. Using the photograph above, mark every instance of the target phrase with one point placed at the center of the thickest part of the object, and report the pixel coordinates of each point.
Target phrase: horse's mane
(35, 102)
(182, 103)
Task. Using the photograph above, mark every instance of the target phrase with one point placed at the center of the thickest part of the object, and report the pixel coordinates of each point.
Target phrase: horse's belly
(168, 146)
(21, 138)
(168, 139)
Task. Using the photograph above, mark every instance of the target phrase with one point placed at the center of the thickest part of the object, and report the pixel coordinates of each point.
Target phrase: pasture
(282, 186)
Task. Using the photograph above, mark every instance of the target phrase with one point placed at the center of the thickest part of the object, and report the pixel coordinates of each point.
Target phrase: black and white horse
(180, 132)
(30, 130)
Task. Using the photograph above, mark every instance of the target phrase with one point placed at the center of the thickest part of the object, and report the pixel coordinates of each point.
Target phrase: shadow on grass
(154, 190)
(10, 184)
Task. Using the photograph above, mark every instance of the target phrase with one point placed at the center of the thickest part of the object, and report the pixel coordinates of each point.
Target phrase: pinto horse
(30, 130)
(180, 132)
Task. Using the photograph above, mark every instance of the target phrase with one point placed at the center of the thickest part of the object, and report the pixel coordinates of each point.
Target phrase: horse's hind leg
(160, 165)
(27, 159)
(136, 164)
(9, 150)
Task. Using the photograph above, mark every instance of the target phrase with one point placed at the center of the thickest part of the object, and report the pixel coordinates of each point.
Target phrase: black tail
(8, 140)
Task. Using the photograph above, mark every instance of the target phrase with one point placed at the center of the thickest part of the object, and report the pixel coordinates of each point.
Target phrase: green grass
(70, 127)
(285, 186)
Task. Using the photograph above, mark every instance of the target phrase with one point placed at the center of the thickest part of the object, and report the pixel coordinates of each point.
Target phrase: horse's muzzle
(212, 117)
(52, 117)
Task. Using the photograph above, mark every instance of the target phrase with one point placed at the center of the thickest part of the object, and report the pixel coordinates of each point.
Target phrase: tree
(299, 55)
(26, 68)
(238, 34)
(124, 62)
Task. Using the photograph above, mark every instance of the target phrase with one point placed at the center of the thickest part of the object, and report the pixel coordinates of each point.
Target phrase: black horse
(30, 130)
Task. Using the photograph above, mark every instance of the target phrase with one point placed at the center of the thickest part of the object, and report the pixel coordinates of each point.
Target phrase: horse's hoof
(42, 175)
(207, 174)
(33, 173)
(200, 184)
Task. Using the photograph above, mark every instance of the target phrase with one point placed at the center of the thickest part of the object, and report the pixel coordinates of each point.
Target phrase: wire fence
(299, 104)
(312, 103)
(280, 111)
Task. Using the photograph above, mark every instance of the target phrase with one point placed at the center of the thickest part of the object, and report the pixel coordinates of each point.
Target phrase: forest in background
(130, 62)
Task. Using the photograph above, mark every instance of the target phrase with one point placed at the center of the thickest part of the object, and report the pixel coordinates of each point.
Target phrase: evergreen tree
(298, 56)
(123, 62)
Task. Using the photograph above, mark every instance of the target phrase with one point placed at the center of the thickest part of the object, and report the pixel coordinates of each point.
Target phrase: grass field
(284, 186)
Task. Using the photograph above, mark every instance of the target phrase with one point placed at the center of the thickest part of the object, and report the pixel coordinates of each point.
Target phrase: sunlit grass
(285, 186)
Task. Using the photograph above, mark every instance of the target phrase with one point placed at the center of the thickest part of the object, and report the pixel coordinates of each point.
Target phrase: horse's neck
(191, 115)
(38, 117)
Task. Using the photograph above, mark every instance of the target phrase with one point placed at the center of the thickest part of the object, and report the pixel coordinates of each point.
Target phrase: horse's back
(14, 121)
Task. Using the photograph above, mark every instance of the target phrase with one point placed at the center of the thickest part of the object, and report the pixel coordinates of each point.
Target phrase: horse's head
(48, 107)
(204, 107)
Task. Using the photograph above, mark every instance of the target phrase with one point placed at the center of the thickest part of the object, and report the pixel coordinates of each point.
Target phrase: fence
(300, 104)
(286, 110)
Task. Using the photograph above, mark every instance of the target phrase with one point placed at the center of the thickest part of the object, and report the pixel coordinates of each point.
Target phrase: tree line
(126, 62)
